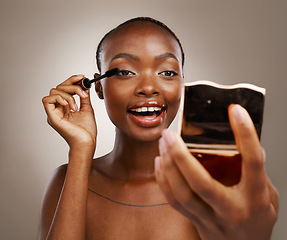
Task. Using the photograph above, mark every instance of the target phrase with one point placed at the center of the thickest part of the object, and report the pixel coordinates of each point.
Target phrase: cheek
(173, 98)
(173, 94)
(115, 101)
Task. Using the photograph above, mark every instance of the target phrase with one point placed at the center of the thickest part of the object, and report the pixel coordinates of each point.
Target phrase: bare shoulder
(54, 186)
(56, 180)
(50, 198)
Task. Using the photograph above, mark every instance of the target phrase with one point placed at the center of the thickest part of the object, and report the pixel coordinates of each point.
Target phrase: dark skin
(197, 203)
(154, 78)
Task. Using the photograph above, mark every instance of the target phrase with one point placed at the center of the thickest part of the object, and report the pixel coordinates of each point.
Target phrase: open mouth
(148, 112)
(148, 116)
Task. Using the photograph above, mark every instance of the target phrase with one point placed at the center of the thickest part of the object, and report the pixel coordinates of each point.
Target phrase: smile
(149, 115)
(146, 111)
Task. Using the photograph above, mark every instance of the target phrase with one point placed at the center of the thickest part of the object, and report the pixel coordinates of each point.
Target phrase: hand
(76, 125)
(246, 211)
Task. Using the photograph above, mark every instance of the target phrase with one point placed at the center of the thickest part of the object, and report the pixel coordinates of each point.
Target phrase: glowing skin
(142, 100)
(151, 76)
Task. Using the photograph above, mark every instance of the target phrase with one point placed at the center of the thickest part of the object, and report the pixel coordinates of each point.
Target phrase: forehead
(140, 38)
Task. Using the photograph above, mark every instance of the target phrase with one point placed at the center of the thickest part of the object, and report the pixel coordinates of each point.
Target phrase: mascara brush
(87, 83)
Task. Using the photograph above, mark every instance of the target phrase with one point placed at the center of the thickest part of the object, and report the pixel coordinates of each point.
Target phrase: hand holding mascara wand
(87, 83)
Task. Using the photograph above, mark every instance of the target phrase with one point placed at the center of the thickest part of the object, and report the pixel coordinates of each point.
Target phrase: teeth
(146, 109)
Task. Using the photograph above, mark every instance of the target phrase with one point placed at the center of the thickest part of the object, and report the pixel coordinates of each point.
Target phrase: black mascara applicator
(87, 83)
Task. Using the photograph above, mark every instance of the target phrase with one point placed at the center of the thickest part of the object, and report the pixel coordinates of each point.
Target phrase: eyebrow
(135, 58)
(125, 55)
(166, 55)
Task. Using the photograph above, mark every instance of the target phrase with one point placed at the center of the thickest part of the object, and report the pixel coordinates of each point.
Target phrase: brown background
(44, 42)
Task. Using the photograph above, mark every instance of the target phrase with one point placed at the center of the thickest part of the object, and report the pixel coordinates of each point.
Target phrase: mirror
(204, 124)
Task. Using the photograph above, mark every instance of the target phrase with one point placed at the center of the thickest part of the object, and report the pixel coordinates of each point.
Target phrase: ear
(99, 88)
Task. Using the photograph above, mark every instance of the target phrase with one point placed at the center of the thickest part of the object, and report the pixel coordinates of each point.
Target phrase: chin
(147, 134)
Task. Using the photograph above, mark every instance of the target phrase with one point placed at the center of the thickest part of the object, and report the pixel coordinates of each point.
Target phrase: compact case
(204, 124)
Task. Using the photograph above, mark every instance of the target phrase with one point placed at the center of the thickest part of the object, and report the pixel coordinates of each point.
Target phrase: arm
(246, 211)
(63, 212)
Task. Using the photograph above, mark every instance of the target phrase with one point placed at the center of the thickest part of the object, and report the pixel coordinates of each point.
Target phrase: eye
(125, 73)
(168, 73)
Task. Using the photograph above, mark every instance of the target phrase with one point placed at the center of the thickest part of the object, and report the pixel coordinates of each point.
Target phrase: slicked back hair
(137, 19)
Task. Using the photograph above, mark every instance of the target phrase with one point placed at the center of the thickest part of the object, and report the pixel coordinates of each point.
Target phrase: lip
(147, 121)
(148, 104)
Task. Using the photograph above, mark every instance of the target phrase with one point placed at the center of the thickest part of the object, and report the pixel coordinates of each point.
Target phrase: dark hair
(138, 19)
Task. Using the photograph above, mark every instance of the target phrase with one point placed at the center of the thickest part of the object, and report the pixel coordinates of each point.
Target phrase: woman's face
(144, 97)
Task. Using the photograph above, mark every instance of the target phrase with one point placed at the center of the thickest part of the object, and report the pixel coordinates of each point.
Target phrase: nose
(147, 86)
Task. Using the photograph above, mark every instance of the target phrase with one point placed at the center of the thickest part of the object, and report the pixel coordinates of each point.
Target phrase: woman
(148, 186)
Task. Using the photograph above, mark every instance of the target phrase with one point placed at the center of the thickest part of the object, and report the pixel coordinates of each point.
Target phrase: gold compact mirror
(204, 124)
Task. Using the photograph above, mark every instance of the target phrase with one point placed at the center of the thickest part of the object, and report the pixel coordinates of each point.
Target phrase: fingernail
(65, 102)
(158, 166)
(76, 107)
(168, 137)
(162, 146)
(238, 113)
(85, 94)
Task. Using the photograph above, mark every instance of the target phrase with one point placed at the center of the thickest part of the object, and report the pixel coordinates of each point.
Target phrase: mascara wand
(87, 83)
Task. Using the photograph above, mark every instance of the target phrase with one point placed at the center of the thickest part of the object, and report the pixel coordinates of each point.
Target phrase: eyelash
(123, 73)
(171, 73)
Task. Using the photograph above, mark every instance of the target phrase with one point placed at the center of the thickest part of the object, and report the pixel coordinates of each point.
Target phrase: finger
(50, 103)
(166, 190)
(73, 89)
(253, 170)
(66, 96)
(180, 189)
(73, 79)
(197, 177)
(274, 195)
(85, 103)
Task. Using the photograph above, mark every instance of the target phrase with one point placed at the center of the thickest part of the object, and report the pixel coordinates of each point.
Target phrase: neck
(133, 160)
